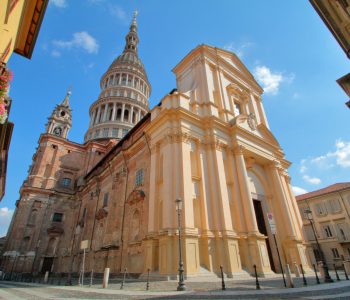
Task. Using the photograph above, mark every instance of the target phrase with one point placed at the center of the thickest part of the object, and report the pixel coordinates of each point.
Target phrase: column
(114, 111)
(139, 115)
(225, 211)
(105, 113)
(246, 196)
(153, 189)
(93, 117)
(130, 115)
(282, 200)
(168, 196)
(183, 179)
(123, 111)
(98, 115)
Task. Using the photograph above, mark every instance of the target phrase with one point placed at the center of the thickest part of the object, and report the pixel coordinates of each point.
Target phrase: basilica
(112, 198)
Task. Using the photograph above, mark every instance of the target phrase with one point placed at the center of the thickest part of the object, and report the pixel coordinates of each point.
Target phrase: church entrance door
(47, 265)
(260, 219)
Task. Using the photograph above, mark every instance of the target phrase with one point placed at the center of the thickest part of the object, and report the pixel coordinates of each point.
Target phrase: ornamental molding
(239, 149)
(101, 213)
(252, 121)
(136, 196)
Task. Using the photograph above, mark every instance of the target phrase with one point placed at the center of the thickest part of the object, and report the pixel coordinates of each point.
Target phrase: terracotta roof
(329, 189)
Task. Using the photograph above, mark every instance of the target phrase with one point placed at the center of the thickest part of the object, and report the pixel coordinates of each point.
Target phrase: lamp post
(327, 278)
(181, 286)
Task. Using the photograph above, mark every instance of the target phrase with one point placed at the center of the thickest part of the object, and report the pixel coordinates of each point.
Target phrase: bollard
(91, 277)
(123, 282)
(257, 284)
(317, 279)
(105, 278)
(302, 272)
(346, 274)
(223, 286)
(46, 278)
(336, 272)
(289, 277)
(147, 284)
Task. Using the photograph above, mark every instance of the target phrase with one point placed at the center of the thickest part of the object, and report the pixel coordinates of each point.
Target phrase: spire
(65, 101)
(131, 38)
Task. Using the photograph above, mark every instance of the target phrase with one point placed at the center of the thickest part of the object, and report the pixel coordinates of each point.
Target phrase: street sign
(84, 244)
(272, 223)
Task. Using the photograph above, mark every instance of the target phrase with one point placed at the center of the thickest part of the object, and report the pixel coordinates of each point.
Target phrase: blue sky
(283, 43)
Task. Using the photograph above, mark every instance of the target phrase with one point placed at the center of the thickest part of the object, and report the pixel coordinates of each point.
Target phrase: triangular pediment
(227, 60)
(267, 135)
(222, 58)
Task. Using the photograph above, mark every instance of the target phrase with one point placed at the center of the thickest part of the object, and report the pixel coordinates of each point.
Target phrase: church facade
(207, 142)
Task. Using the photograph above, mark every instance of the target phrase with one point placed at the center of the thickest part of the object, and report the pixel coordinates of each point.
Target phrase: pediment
(228, 60)
(267, 135)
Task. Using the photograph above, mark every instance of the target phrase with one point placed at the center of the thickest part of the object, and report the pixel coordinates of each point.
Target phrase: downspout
(123, 219)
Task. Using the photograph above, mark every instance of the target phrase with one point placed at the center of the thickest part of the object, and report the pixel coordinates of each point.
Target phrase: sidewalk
(235, 289)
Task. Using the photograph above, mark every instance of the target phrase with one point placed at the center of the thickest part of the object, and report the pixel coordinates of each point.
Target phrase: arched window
(126, 115)
(110, 114)
(66, 182)
(119, 114)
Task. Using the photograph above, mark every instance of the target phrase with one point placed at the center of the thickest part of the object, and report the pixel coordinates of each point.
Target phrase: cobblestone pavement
(196, 289)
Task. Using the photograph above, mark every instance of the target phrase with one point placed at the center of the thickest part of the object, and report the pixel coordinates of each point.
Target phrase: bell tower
(60, 120)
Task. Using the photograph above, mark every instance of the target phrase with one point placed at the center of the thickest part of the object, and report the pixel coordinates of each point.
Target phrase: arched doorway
(260, 208)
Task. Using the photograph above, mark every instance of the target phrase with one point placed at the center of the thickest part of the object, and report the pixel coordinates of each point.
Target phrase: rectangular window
(105, 132)
(66, 182)
(97, 133)
(105, 199)
(334, 206)
(125, 131)
(335, 253)
(114, 132)
(139, 177)
(237, 109)
(317, 255)
(57, 217)
(327, 231)
(320, 209)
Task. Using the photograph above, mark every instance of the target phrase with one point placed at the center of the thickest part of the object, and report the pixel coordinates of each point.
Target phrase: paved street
(235, 289)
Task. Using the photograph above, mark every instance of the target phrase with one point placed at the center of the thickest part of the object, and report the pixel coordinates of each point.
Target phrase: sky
(284, 44)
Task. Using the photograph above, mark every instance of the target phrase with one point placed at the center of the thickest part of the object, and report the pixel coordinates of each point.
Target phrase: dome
(125, 90)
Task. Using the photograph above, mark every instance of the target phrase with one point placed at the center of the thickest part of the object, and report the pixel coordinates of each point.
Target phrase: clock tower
(60, 120)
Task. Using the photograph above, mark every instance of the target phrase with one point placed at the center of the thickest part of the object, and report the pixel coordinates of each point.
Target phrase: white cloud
(339, 157)
(113, 9)
(55, 53)
(270, 80)
(298, 190)
(118, 12)
(312, 180)
(239, 50)
(59, 3)
(5, 219)
(81, 40)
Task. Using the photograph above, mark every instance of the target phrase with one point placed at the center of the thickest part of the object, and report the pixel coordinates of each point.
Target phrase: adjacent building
(336, 15)
(207, 142)
(20, 22)
(329, 221)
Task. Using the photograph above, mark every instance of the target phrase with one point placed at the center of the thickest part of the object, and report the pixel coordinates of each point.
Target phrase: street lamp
(181, 286)
(327, 278)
